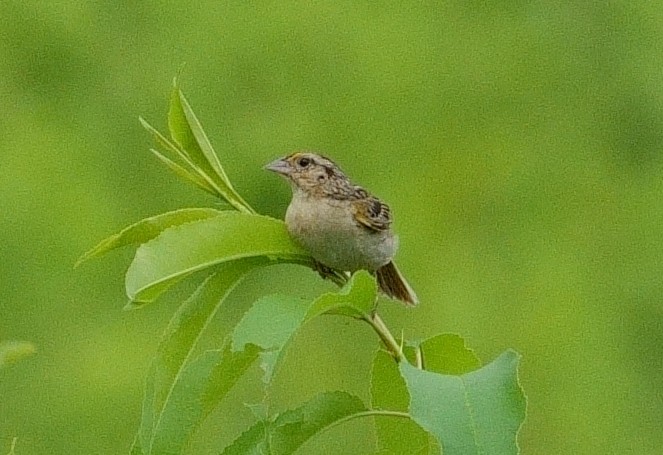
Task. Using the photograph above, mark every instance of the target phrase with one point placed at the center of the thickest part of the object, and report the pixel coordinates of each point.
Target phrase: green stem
(419, 358)
(375, 321)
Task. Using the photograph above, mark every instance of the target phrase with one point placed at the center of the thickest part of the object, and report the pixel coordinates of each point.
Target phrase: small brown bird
(340, 224)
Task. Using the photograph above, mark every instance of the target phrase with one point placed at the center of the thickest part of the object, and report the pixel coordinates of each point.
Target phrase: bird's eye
(304, 162)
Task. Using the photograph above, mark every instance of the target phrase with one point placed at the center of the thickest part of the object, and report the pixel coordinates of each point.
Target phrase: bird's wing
(371, 213)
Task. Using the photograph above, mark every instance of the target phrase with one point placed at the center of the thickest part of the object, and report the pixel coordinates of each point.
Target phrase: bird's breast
(328, 231)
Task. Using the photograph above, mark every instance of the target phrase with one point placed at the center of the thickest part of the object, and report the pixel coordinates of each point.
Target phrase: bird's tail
(393, 284)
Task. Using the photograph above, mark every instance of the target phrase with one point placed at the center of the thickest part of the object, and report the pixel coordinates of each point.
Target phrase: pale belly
(334, 239)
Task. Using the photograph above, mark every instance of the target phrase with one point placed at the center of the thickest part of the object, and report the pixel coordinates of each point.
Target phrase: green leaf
(204, 383)
(176, 151)
(476, 413)
(178, 342)
(270, 324)
(147, 229)
(187, 132)
(388, 391)
(273, 320)
(252, 442)
(13, 351)
(447, 354)
(184, 173)
(356, 299)
(284, 434)
(181, 250)
(194, 135)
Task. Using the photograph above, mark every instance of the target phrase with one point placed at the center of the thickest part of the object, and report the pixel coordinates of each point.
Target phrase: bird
(340, 224)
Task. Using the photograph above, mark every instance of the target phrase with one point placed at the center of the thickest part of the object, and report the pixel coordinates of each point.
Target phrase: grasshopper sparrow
(340, 224)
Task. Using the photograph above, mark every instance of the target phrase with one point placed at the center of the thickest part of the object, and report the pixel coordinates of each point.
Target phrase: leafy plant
(425, 396)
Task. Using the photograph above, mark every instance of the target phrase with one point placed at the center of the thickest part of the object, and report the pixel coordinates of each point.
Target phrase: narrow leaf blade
(191, 167)
(181, 133)
(476, 413)
(187, 132)
(196, 130)
(207, 150)
(184, 173)
(147, 229)
(161, 140)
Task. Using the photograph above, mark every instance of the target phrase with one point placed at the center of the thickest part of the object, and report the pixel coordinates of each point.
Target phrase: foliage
(435, 389)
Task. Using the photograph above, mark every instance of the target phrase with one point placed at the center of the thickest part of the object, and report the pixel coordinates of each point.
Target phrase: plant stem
(375, 321)
(419, 358)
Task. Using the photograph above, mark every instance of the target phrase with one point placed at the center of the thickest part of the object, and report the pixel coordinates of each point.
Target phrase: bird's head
(311, 173)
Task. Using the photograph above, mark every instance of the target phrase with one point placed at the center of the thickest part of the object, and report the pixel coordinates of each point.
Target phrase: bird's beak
(279, 166)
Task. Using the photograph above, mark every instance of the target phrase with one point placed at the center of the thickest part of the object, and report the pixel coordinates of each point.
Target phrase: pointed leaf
(13, 351)
(178, 342)
(184, 173)
(186, 163)
(447, 354)
(196, 137)
(388, 391)
(476, 413)
(187, 132)
(186, 168)
(147, 229)
(183, 137)
(212, 158)
(170, 147)
(289, 430)
(181, 250)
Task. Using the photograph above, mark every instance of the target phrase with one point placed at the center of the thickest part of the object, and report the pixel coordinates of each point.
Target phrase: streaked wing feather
(372, 213)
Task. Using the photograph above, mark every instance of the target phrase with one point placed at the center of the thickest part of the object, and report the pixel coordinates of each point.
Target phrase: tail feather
(393, 284)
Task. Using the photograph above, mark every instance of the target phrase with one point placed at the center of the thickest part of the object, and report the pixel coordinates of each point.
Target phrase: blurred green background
(519, 144)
